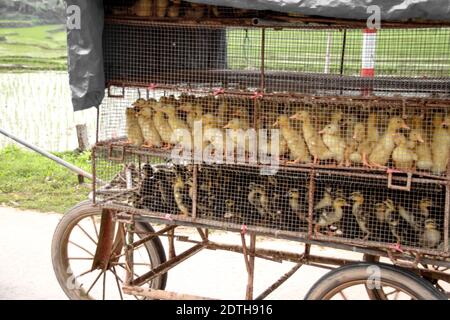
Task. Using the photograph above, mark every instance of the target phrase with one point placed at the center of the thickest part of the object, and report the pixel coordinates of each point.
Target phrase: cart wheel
(379, 294)
(349, 283)
(73, 247)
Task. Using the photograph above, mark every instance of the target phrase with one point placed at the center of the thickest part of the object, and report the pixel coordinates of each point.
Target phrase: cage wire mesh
(278, 97)
(356, 209)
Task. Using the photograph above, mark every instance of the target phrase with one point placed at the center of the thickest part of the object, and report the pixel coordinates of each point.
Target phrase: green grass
(407, 52)
(33, 48)
(30, 181)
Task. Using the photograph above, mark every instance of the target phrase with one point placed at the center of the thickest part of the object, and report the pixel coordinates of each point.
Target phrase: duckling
(380, 212)
(162, 125)
(383, 149)
(195, 11)
(179, 127)
(134, 132)
(235, 129)
(230, 209)
(404, 156)
(392, 218)
(431, 237)
(259, 199)
(294, 141)
(424, 206)
(359, 213)
(142, 8)
(328, 218)
(423, 151)
(409, 218)
(326, 201)
(335, 143)
(193, 112)
(149, 132)
(243, 114)
(351, 152)
(313, 140)
(222, 113)
(366, 147)
(161, 8)
(440, 145)
(179, 194)
(174, 9)
(294, 204)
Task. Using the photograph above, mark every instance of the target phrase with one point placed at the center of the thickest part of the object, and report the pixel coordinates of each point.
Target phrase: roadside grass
(30, 181)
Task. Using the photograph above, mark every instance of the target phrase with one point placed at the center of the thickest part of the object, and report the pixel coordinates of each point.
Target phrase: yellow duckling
(327, 218)
(424, 207)
(235, 132)
(383, 149)
(179, 195)
(366, 147)
(335, 143)
(295, 143)
(431, 236)
(423, 150)
(243, 114)
(134, 131)
(315, 144)
(351, 152)
(181, 133)
(193, 112)
(440, 146)
(149, 132)
(404, 155)
(162, 125)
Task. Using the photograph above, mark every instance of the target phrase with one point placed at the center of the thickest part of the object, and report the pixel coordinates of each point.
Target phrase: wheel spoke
(116, 277)
(123, 267)
(87, 234)
(121, 281)
(396, 291)
(95, 226)
(95, 281)
(341, 293)
(104, 285)
(83, 273)
(82, 248)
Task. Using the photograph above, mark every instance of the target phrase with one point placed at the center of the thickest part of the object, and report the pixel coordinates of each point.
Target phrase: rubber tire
(86, 208)
(404, 279)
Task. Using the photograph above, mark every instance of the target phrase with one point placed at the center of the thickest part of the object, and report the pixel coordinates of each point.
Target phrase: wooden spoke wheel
(350, 282)
(441, 285)
(74, 245)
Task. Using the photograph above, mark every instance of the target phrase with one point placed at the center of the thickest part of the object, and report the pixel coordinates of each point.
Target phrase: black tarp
(86, 52)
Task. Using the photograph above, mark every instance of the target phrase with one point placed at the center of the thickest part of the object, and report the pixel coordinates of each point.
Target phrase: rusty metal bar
(129, 255)
(166, 266)
(251, 273)
(105, 240)
(446, 216)
(160, 294)
(279, 282)
(311, 190)
(194, 191)
(150, 237)
(263, 52)
(170, 238)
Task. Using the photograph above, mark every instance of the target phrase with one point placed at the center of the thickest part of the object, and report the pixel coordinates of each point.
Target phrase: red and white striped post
(368, 57)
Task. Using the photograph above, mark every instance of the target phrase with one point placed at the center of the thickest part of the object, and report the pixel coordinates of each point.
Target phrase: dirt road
(26, 270)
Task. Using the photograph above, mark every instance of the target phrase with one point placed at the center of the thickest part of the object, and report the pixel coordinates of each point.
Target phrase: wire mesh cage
(347, 133)
(323, 206)
(244, 51)
(324, 132)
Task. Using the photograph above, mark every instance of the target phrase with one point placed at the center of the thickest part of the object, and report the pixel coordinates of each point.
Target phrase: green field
(30, 181)
(407, 52)
(33, 48)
